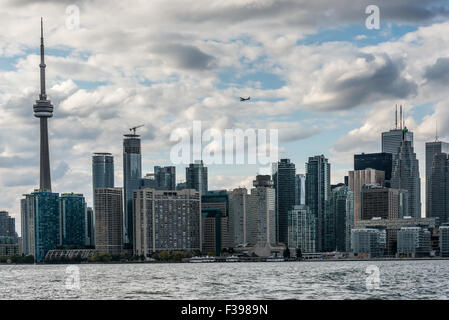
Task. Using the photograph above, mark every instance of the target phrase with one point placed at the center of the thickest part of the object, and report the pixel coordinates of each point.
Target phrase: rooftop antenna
(396, 118)
(401, 122)
(436, 130)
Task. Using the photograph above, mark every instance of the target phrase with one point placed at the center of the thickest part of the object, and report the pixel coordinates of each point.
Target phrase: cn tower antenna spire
(43, 109)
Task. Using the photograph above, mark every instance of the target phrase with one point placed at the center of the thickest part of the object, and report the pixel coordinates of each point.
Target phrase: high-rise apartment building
(167, 220)
(318, 190)
(301, 229)
(261, 225)
(90, 227)
(413, 242)
(109, 220)
(102, 170)
(284, 173)
(238, 215)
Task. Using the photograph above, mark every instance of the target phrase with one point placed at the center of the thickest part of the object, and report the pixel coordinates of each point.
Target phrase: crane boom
(133, 129)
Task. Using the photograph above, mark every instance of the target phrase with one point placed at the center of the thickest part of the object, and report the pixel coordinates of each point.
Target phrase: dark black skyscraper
(284, 173)
(43, 109)
(379, 161)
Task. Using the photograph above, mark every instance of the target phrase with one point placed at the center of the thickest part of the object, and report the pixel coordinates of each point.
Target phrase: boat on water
(232, 259)
(202, 259)
(275, 259)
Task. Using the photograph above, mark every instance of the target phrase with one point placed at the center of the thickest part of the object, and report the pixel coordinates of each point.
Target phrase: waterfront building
(444, 240)
(8, 246)
(438, 190)
(109, 220)
(167, 220)
(413, 242)
(283, 176)
(339, 220)
(381, 202)
(238, 215)
(318, 190)
(90, 227)
(72, 210)
(392, 227)
(359, 178)
(368, 242)
(40, 223)
(432, 149)
(301, 229)
(196, 177)
(7, 225)
(261, 214)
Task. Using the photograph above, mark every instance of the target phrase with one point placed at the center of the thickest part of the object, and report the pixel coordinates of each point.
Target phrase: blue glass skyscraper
(72, 208)
(132, 175)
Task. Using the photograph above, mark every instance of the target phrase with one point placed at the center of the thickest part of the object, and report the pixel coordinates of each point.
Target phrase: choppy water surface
(285, 280)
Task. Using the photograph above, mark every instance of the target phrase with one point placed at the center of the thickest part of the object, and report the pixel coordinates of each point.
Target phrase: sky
(313, 69)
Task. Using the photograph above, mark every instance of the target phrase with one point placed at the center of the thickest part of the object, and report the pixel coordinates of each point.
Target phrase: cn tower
(43, 109)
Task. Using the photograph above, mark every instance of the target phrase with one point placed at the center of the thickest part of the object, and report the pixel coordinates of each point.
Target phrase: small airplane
(244, 99)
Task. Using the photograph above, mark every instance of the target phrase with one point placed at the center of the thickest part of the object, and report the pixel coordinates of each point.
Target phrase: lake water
(285, 280)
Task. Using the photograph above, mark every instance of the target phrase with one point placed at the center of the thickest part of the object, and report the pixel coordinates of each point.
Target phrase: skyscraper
(284, 184)
(378, 161)
(300, 189)
(167, 220)
(391, 140)
(405, 175)
(438, 190)
(40, 223)
(102, 170)
(238, 215)
(90, 227)
(109, 220)
(359, 178)
(165, 177)
(339, 220)
(301, 229)
(43, 109)
(381, 202)
(196, 177)
(262, 214)
(132, 175)
(432, 149)
(318, 190)
(7, 225)
(72, 210)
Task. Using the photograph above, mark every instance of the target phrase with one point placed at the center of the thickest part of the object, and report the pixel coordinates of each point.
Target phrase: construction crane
(134, 128)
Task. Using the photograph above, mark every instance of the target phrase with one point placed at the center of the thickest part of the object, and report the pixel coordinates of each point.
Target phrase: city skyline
(87, 110)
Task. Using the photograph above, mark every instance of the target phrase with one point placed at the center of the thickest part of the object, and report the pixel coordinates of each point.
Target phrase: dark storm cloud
(385, 82)
(187, 56)
(439, 72)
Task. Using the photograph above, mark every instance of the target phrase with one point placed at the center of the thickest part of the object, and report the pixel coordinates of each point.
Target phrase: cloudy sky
(312, 68)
